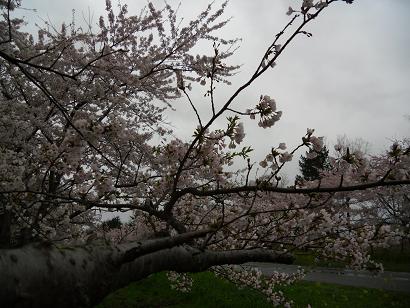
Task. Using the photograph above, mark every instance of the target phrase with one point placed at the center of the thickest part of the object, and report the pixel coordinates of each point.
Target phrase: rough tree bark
(5, 229)
(44, 275)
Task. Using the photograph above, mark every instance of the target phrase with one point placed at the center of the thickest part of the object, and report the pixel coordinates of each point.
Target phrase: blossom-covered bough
(82, 131)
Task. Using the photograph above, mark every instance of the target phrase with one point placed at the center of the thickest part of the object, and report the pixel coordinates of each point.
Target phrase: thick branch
(46, 276)
(149, 246)
(292, 190)
(186, 259)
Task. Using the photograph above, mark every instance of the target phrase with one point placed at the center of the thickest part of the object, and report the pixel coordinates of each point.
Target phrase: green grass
(308, 259)
(207, 291)
(393, 259)
(210, 291)
(336, 296)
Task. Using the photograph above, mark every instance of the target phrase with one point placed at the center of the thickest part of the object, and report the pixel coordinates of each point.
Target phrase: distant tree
(312, 163)
(113, 223)
(355, 145)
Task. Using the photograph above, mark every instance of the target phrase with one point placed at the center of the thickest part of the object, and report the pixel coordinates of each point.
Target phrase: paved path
(395, 281)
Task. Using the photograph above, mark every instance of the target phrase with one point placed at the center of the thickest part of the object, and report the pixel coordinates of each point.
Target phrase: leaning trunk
(40, 275)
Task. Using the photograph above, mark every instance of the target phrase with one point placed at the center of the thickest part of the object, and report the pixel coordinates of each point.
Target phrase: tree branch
(42, 275)
(293, 190)
(150, 246)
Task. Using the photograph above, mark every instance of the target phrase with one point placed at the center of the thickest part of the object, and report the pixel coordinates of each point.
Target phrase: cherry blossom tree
(391, 207)
(82, 131)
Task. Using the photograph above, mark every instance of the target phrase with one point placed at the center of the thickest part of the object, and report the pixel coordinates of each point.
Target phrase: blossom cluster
(253, 278)
(266, 108)
(180, 281)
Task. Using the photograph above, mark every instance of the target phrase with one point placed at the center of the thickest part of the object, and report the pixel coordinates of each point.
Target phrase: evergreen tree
(311, 167)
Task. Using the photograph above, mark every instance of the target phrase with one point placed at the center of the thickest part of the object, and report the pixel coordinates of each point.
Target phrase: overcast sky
(352, 77)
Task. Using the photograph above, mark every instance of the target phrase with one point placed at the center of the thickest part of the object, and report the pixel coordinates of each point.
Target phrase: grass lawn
(393, 259)
(308, 259)
(210, 291)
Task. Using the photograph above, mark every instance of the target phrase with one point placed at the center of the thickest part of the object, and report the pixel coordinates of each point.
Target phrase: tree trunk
(5, 229)
(41, 275)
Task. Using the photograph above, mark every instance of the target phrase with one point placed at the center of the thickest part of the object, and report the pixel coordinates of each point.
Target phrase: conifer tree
(312, 163)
